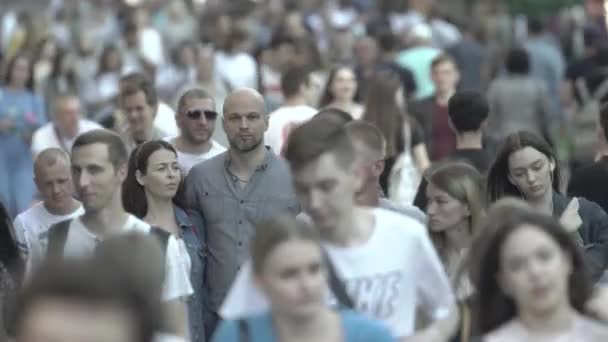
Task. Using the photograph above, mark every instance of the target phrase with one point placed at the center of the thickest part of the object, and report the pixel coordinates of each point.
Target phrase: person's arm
(176, 314)
(435, 294)
(421, 157)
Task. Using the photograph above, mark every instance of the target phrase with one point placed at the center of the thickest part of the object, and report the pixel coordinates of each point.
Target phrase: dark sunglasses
(196, 114)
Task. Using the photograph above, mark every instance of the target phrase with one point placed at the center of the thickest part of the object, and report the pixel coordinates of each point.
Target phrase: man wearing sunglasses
(196, 118)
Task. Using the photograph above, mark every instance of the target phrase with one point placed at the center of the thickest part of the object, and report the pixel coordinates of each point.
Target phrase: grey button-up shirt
(231, 212)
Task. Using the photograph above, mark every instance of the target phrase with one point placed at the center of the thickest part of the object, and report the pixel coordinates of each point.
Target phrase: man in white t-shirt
(295, 85)
(196, 118)
(66, 124)
(99, 167)
(54, 182)
(386, 260)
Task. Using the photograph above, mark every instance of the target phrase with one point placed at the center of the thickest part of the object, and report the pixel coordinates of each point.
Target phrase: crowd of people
(381, 173)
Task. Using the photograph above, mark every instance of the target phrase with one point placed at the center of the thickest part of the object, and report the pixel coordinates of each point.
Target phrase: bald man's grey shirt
(231, 212)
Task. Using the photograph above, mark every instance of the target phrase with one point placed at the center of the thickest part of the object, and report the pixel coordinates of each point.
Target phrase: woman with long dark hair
(525, 167)
(151, 192)
(340, 92)
(534, 284)
(385, 107)
(11, 272)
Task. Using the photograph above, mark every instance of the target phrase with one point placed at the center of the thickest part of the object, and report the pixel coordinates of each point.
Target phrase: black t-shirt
(588, 182)
(479, 158)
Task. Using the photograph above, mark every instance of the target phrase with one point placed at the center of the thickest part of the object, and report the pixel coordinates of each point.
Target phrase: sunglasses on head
(196, 114)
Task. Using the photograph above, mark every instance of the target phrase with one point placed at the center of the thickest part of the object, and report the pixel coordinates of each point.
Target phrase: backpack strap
(336, 285)
(58, 235)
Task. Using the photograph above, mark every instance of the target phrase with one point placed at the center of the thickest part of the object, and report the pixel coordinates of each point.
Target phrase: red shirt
(443, 139)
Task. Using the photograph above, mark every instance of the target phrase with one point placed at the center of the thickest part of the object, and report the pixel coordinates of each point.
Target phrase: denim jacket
(192, 232)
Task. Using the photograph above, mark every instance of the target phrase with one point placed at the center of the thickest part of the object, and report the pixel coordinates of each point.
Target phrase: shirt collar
(182, 218)
(268, 158)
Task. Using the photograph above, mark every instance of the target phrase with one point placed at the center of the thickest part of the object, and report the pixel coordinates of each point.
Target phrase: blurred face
(445, 77)
(205, 66)
(443, 210)
(530, 171)
(326, 191)
(293, 278)
(344, 85)
(197, 122)
(55, 320)
(112, 62)
(20, 72)
(162, 176)
(534, 271)
(187, 56)
(366, 52)
(284, 56)
(245, 122)
(139, 114)
(54, 182)
(67, 117)
(49, 50)
(96, 180)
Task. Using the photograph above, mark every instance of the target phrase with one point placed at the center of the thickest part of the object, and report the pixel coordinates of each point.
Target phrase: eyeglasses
(197, 113)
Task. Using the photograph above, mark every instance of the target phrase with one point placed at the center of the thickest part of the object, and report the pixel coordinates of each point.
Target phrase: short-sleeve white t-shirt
(81, 243)
(387, 277)
(282, 121)
(187, 160)
(31, 231)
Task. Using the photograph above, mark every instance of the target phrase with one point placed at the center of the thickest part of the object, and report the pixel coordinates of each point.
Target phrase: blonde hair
(463, 182)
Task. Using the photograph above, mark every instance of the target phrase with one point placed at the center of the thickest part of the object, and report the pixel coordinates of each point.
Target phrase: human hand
(570, 219)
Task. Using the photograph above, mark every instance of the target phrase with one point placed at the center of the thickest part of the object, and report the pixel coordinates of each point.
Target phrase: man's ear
(359, 176)
(378, 167)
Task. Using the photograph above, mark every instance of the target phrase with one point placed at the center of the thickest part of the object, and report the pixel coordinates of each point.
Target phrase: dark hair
(495, 307)
(442, 58)
(8, 72)
(105, 53)
(191, 94)
(382, 109)
(387, 41)
(279, 39)
(133, 195)
(293, 79)
(335, 114)
(117, 151)
(327, 97)
(468, 109)
(90, 283)
(518, 61)
(9, 252)
(135, 82)
(535, 25)
(316, 137)
(499, 185)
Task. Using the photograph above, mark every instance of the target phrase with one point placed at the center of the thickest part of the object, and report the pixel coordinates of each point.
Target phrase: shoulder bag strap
(336, 285)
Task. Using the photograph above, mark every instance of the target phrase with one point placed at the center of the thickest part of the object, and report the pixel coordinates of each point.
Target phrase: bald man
(237, 189)
(53, 179)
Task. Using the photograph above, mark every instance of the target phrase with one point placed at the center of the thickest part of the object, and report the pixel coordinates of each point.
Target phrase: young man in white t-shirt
(99, 167)
(196, 117)
(386, 260)
(54, 182)
(295, 85)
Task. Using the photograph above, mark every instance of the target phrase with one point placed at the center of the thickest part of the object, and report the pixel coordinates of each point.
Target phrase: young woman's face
(531, 172)
(534, 270)
(344, 85)
(443, 210)
(293, 277)
(163, 175)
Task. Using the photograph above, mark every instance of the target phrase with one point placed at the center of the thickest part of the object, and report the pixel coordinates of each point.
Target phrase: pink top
(582, 329)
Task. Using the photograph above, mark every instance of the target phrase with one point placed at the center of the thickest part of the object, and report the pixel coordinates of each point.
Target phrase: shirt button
(242, 201)
(240, 243)
(240, 222)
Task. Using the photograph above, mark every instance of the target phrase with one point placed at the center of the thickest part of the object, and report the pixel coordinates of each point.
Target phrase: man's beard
(245, 147)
